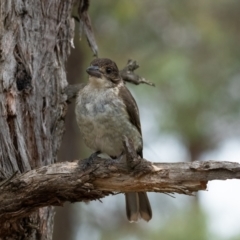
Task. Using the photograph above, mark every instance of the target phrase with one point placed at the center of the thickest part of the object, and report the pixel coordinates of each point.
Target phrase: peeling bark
(68, 181)
(35, 38)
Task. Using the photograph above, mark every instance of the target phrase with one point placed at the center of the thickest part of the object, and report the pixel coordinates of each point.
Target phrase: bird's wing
(132, 110)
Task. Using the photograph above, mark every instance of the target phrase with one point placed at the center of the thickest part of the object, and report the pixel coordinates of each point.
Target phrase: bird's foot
(87, 162)
(115, 159)
(120, 157)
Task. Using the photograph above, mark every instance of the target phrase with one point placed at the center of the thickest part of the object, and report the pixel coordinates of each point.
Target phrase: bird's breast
(103, 121)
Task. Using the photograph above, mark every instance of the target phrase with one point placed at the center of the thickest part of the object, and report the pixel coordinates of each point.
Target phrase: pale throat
(96, 82)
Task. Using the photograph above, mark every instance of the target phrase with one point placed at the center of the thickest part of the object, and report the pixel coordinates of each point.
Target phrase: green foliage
(188, 224)
(191, 50)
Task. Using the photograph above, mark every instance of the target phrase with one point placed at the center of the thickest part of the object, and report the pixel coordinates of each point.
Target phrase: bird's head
(103, 72)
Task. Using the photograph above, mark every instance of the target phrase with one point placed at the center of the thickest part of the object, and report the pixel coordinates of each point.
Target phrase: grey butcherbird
(105, 112)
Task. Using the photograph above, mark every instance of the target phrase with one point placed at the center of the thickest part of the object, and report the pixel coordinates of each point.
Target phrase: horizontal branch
(68, 181)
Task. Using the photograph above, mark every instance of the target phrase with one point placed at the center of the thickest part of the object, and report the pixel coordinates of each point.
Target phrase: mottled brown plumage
(106, 112)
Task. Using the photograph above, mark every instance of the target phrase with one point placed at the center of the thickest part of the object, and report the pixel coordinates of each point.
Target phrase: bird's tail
(138, 206)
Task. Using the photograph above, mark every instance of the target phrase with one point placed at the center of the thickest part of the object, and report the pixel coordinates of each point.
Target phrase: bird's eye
(108, 70)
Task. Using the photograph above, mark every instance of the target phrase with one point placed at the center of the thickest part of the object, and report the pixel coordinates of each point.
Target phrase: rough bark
(69, 181)
(64, 227)
(35, 41)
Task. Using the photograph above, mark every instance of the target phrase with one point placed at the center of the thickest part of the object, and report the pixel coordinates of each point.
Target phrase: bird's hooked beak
(94, 71)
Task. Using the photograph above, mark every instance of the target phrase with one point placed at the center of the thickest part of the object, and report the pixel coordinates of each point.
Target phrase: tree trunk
(65, 226)
(35, 41)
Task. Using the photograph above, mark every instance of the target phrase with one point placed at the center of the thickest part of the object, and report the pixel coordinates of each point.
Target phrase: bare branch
(72, 90)
(86, 26)
(128, 74)
(57, 183)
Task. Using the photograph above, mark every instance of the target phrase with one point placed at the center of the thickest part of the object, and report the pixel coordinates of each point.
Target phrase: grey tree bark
(35, 41)
(34, 44)
(71, 181)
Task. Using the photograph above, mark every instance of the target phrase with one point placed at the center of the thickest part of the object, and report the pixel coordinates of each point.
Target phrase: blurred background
(191, 51)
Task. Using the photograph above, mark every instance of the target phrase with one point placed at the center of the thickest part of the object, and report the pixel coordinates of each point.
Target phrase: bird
(106, 112)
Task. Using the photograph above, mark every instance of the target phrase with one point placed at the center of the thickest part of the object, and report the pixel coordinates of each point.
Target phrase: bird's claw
(87, 162)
